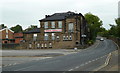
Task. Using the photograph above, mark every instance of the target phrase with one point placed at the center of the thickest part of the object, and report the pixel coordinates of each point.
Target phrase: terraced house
(61, 30)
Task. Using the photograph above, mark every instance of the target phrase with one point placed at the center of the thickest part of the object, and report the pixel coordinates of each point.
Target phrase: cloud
(27, 12)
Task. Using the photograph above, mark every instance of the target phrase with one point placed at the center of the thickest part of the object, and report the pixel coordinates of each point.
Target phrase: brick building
(7, 36)
(18, 37)
(60, 30)
(31, 38)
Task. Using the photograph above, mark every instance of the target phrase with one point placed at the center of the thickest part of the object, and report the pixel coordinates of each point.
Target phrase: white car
(101, 39)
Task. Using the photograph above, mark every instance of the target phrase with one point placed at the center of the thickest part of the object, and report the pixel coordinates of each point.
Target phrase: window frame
(69, 27)
(45, 25)
(53, 36)
(60, 24)
(53, 24)
(46, 36)
(35, 36)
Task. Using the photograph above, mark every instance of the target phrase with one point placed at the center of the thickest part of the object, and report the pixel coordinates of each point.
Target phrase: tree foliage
(94, 24)
(2, 26)
(114, 31)
(17, 28)
(31, 27)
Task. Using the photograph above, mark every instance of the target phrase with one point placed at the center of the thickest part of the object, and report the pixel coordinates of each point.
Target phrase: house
(30, 37)
(59, 30)
(18, 37)
(7, 36)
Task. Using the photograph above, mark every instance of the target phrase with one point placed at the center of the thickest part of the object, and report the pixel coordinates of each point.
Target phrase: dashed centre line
(87, 63)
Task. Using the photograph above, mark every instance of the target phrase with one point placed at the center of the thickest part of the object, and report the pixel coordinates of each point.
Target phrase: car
(101, 39)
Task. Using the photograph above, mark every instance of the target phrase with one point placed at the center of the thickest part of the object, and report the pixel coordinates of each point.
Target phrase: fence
(10, 46)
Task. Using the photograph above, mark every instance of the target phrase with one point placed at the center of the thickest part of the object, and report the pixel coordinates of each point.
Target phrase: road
(86, 60)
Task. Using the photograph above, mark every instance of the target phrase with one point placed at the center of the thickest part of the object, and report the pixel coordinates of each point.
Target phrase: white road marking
(93, 60)
(96, 59)
(14, 63)
(70, 70)
(82, 64)
(9, 64)
(89, 62)
(86, 63)
(77, 67)
(23, 68)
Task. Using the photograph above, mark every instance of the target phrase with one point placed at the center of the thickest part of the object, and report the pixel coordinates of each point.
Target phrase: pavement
(113, 63)
(90, 59)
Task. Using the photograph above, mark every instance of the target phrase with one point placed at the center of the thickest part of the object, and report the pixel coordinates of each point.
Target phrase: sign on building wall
(53, 30)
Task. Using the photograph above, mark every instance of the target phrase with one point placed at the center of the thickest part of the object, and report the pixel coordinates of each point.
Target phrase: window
(50, 45)
(64, 38)
(60, 24)
(57, 37)
(53, 36)
(6, 33)
(45, 24)
(70, 37)
(52, 24)
(42, 45)
(6, 36)
(45, 45)
(30, 45)
(70, 27)
(38, 45)
(34, 37)
(46, 37)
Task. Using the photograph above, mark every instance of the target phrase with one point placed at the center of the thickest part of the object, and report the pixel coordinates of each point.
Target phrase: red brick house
(7, 36)
(18, 37)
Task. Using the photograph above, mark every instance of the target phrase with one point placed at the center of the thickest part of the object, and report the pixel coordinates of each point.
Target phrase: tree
(2, 26)
(117, 27)
(31, 27)
(17, 28)
(94, 24)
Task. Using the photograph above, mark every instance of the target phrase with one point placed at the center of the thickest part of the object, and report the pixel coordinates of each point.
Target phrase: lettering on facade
(53, 30)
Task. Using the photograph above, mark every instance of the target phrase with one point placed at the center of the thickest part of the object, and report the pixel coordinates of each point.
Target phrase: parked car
(101, 39)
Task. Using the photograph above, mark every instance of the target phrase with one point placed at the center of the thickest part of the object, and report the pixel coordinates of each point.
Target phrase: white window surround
(57, 37)
(6, 33)
(34, 35)
(30, 45)
(46, 36)
(70, 37)
(45, 45)
(38, 45)
(42, 45)
(64, 38)
(53, 36)
(50, 44)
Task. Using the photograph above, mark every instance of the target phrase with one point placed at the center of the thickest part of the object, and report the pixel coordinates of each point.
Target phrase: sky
(29, 12)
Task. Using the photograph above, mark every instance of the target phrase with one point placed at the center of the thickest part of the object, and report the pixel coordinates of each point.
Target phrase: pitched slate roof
(36, 30)
(59, 16)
